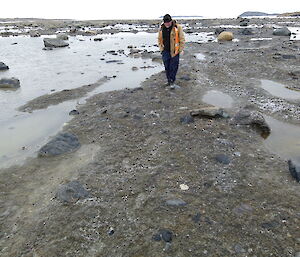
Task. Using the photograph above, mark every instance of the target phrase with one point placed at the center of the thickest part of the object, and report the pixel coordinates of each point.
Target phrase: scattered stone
(111, 231)
(34, 33)
(156, 237)
(288, 56)
(242, 209)
(3, 66)
(47, 48)
(197, 217)
(270, 225)
(187, 119)
(62, 143)
(98, 39)
(222, 158)
(71, 192)
(55, 42)
(210, 112)
(74, 112)
(294, 169)
(62, 36)
(11, 83)
(282, 32)
(176, 202)
(184, 187)
(225, 36)
(239, 249)
(186, 78)
(134, 68)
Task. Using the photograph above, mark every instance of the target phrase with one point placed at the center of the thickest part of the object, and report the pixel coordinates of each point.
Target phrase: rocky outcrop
(54, 42)
(252, 118)
(11, 83)
(61, 144)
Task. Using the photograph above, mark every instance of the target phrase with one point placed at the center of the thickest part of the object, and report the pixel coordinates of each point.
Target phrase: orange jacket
(177, 39)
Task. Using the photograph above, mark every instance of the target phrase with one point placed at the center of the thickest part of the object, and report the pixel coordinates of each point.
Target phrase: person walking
(171, 43)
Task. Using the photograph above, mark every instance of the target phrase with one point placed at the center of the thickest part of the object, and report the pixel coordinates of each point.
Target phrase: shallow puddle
(41, 72)
(218, 99)
(279, 90)
(284, 139)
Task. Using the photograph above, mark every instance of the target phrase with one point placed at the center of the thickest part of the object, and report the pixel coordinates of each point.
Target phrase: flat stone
(62, 36)
(210, 112)
(166, 235)
(71, 192)
(11, 83)
(222, 158)
(61, 144)
(54, 42)
(176, 202)
(74, 112)
(187, 119)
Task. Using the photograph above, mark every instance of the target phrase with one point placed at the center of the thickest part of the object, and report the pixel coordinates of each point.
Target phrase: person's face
(168, 24)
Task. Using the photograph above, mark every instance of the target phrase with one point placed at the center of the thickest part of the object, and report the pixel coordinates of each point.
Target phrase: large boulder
(62, 143)
(71, 192)
(225, 36)
(252, 118)
(282, 32)
(219, 30)
(11, 83)
(3, 66)
(55, 42)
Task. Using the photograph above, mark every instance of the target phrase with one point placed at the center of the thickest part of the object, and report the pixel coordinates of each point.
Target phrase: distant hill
(256, 14)
(296, 14)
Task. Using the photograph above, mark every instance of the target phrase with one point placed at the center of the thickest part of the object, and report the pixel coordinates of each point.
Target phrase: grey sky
(138, 9)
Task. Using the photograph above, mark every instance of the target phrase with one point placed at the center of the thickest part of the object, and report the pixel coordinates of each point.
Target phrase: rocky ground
(152, 181)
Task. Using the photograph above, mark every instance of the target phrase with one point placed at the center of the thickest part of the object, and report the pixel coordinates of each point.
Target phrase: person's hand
(182, 52)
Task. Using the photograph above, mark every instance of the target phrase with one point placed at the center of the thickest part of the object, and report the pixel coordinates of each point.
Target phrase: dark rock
(111, 232)
(47, 48)
(219, 30)
(294, 169)
(166, 235)
(246, 32)
(187, 119)
(222, 158)
(62, 143)
(288, 56)
(186, 78)
(11, 83)
(74, 112)
(54, 42)
(244, 23)
(156, 237)
(253, 118)
(176, 202)
(270, 225)
(112, 61)
(3, 66)
(239, 249)
(282, 32)
(71, 192)
(196, 218)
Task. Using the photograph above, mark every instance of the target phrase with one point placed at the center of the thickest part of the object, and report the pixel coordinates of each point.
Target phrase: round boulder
(225, 36)
(54, 42)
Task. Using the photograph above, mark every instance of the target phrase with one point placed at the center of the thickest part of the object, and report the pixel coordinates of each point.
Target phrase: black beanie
(167, 18)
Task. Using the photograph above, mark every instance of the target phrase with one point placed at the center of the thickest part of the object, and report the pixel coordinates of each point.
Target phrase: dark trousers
(171, 65)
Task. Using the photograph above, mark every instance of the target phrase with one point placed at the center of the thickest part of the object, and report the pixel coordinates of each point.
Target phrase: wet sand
(136, 154)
